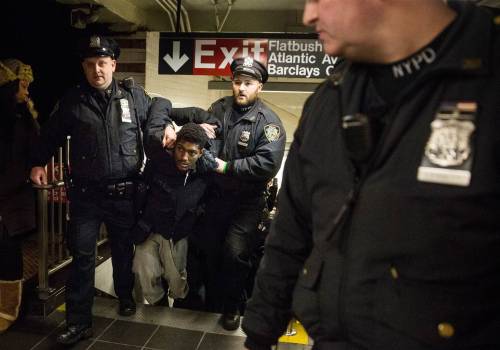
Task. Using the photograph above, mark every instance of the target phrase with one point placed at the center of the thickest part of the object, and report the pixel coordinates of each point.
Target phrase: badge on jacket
(448, 153)
(272, 132)
(125, 111)
(244, 138)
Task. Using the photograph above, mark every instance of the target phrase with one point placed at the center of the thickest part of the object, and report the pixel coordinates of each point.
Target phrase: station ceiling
(196, 15)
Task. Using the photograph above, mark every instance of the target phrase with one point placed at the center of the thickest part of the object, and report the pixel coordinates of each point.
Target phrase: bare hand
(169, 137)
(221, 166)
(38, 175)
(209, 130)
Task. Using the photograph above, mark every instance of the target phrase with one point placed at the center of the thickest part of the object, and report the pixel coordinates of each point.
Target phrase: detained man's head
(191, 140)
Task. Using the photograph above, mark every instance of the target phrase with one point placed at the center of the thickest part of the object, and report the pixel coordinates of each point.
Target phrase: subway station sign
(289, 58)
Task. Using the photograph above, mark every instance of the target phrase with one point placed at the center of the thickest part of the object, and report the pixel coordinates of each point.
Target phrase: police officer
(103, 119)
(387, 233)
(250, 147)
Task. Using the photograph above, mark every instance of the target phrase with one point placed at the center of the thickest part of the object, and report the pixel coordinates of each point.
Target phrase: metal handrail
(53, 256)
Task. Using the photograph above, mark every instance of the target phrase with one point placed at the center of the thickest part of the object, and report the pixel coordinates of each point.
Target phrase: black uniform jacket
(174, 199)
(253, 146)
(415, 264)
(173, 203)
(104, 146)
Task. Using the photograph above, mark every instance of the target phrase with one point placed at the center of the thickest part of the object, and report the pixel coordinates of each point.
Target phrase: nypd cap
(99, 46)
(249, 66)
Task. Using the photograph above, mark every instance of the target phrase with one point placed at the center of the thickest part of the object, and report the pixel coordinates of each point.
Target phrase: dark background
(39, 33)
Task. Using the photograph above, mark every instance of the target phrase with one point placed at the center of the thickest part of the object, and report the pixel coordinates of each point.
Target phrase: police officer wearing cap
(250, 145)
(104, 119)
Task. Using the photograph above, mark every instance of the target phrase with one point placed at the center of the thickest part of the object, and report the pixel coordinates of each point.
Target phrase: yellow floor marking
(297, 334)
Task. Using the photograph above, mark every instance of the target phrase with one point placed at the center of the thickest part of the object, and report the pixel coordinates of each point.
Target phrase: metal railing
(53, 221)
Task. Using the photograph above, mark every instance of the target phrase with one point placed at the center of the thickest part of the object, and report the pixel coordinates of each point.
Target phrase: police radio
(358, 136)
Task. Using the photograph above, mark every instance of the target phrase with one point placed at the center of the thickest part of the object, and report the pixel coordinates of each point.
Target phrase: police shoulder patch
(272, 132)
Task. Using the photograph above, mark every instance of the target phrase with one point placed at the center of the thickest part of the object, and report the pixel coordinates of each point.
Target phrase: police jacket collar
(251, 115)
(117, 89)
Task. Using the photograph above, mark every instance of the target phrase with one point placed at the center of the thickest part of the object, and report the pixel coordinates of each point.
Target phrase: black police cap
(249, 66)
(99, 46)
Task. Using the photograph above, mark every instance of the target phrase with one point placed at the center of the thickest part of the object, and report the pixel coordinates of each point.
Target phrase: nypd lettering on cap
(272, 132)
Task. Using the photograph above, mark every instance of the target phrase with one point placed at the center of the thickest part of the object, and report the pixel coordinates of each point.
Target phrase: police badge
(244, 138)
(95, 41)
(248, 62)
(272, 132)
(448, 153)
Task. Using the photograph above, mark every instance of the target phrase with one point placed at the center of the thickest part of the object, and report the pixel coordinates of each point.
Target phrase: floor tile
(125, 332)
(49, 343)
(221, 342)
(28, 332)
(99, 345)
(167, 338)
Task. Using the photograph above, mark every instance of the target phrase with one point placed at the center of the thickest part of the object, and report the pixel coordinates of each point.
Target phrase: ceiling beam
(125, 10)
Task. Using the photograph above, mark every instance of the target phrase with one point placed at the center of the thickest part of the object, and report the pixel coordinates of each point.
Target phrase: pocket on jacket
(305, 296)
(444, 315)
(129, 155)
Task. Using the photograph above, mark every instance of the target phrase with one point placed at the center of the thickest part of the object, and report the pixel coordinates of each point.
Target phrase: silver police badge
(248, 62)
(244, 138)
(95, 41)
(449, 143)
(272, 132)
(448, 154)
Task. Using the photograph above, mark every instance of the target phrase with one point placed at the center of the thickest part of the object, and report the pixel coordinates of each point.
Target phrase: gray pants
(158, 257)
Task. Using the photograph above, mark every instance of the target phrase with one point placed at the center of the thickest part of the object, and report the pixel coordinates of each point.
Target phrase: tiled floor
(152, 328)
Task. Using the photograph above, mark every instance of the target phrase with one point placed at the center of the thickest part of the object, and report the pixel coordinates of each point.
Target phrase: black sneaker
(231, 321)
(74, 334)
(127, 307)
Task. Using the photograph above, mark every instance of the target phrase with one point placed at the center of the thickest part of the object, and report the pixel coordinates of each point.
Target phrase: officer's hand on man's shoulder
(209, 130)
(169, 137)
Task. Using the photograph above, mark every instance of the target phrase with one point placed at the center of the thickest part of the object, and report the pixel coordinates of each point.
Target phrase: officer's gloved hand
(140, 232)
(206, 163)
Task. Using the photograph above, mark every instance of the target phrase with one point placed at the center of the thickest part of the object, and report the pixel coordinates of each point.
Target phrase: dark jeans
(87, 213)
(11, 256)
(238, 247)
(220, 250)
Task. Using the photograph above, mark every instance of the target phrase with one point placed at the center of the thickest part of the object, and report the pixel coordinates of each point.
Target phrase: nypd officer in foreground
(388, 230)
(249, 145)
(103, 118)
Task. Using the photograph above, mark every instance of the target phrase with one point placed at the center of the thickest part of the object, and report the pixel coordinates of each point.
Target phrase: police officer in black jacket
(387, 234)
(250, 146)
(104, 119)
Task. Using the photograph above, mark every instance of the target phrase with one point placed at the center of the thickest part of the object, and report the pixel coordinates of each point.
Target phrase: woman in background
(18, 130)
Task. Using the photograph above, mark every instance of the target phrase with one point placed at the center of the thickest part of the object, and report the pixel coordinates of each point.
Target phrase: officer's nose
(310, 15)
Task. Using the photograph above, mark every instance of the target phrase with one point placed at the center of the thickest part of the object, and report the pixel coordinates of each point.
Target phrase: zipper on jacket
(106, 130)
(359, 180)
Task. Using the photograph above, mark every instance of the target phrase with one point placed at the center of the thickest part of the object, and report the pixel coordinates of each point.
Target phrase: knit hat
(12, 69)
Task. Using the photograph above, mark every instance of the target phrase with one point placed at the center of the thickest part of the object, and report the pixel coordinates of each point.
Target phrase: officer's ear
(260, 87)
